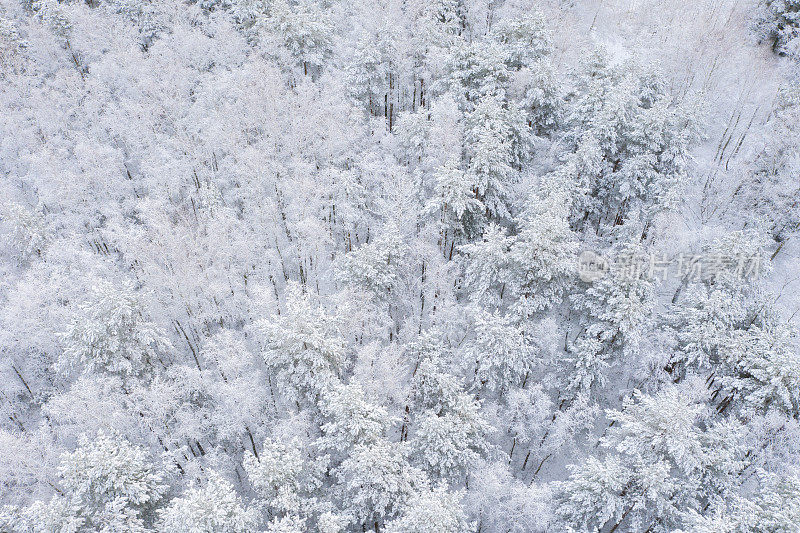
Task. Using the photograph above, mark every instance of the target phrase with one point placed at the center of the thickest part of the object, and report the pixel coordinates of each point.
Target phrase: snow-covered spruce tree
(51, 16)
(527, 45)
(377, 481)
(530, 271)
(11, 46)
(486, 269)
(435, 28)
(146, 17)
(526, 39)
(350, 419)
(285, 481)
(761, 369)
(111, 480)
(377, 266)
(475, 72)
(54, 515)
(542, 258)
(246, 13)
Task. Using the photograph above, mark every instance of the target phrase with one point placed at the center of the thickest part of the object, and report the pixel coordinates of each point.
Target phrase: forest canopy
(402, 266)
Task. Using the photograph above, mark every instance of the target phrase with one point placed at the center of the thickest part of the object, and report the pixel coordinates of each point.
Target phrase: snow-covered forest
(399, 266)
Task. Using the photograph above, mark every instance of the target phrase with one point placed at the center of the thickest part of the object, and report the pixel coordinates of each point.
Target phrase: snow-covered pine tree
(304, 347)
(214, 507)
(498, 143)
(662, 451)
(630, 144)
(778, 23)
(615, 312)
(110, 333)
